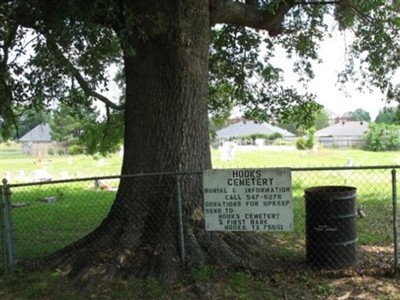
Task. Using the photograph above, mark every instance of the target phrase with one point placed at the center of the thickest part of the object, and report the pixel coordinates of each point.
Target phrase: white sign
(248, 199)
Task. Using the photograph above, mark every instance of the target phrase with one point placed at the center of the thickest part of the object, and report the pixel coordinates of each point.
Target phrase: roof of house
(250, 127)
(344, 128)
(41, 133)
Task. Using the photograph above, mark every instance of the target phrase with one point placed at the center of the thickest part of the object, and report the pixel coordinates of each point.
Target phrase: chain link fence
(343, 217)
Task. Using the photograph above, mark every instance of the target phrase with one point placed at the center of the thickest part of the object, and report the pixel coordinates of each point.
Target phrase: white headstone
(259, 142)
(227, 150)
(64, 175)
(41, 175)
(21, 175)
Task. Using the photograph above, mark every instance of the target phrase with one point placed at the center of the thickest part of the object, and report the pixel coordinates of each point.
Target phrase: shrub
(308, 142)
(270, 137)
(75, 149)
(382, 137)
(274, 136)
(301, 144)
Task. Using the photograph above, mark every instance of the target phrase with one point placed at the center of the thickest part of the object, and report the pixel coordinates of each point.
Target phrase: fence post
(180, 222)
(395, 221)
(7, 227)
(3, 227)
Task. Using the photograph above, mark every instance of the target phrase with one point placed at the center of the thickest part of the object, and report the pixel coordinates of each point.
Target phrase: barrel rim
(330, 189)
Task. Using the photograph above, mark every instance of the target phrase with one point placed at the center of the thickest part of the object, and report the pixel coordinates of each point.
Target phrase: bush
(310, 142)
(269, 137)
(306, 143)
(75, 149)
(301, 144)
(274, 136)
(382, 137)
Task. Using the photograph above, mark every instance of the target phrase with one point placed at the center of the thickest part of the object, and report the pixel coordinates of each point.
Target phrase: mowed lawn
(311, 158)
(80, 207)
(18, 167)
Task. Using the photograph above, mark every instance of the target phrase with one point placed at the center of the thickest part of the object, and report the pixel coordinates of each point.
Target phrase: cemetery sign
(248, 199)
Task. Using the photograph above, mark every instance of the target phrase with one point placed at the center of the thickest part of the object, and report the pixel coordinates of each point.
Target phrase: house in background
(236, 136)
(37, 142)
(344, 134)
(246, 128)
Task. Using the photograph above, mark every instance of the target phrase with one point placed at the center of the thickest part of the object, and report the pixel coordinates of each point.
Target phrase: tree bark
(166, 125)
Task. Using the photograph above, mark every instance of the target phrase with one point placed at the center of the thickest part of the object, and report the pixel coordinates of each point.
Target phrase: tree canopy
(322, 119)
(51, 48)
(388, 115)
(358, 115)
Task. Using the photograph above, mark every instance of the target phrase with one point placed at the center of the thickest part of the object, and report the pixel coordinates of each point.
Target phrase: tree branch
(27, 19)
(241, 14)
(77, 75)
(5, 83)
(251, 15)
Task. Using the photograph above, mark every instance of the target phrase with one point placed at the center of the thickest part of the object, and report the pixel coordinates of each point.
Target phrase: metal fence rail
(40, 218)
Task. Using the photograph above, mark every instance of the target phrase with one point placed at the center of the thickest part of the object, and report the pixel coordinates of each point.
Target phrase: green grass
(319, 158)
(41, 227)
(14, 162)
(21, 167)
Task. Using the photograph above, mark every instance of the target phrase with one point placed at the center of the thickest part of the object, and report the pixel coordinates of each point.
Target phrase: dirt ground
(372, 278)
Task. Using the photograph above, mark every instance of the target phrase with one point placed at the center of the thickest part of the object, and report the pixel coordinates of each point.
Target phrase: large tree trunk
(166, 125)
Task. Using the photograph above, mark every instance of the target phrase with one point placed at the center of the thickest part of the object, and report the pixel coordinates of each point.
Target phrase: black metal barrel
(331, 227)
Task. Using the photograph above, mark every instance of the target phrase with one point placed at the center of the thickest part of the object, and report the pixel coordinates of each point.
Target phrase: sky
(324, 85)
